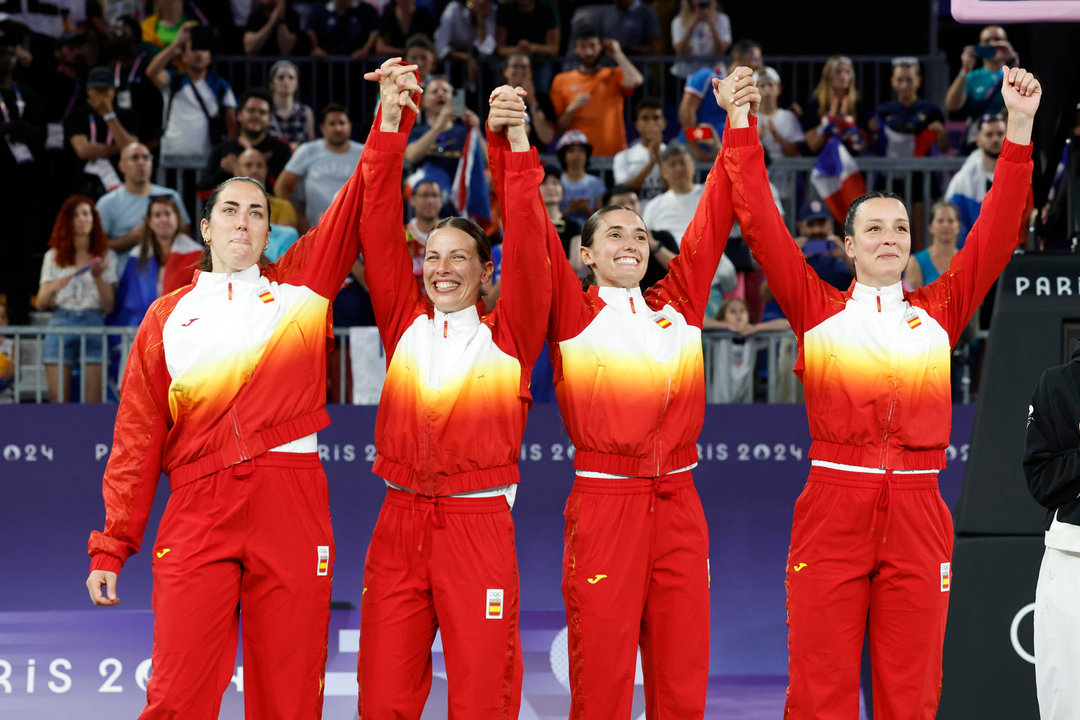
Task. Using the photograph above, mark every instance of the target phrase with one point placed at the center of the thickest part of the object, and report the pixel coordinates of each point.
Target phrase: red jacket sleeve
(570, 312)
(387, 263)
(134, 467)
(522, 308)
(802, 295)
(953, 298)
(323, 257)
(690, 274)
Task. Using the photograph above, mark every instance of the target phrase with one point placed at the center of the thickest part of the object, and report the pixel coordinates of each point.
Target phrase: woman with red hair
(78, 283)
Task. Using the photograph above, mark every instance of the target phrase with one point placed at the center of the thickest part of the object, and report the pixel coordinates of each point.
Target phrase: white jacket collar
(891, 296)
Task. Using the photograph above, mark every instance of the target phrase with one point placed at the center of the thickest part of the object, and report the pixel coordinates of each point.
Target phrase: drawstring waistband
(433, 510)
(662, 487)
(881, 505)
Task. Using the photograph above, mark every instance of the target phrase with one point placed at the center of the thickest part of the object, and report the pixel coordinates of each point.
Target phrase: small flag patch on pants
(323, 568)
(494, 605)
(266, 297)
(946, 577)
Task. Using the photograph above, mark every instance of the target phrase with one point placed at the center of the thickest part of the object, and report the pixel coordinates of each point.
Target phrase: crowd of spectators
(92, 105)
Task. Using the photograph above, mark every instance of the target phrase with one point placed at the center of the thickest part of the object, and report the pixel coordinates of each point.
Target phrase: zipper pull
(879, 302)
(632, 305)
(230, 289)
(445, 327)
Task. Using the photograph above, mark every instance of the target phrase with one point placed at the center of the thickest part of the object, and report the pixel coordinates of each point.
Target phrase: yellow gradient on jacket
(863, 372)
(205, 391)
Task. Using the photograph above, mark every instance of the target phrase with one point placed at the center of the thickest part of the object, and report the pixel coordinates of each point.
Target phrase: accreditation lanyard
(131, 75)
(93, 133)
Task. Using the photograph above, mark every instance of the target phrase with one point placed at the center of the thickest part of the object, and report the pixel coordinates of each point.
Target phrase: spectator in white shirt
(673, 210)
(638, 166)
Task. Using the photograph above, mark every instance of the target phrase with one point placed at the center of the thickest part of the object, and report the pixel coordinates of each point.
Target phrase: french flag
(837, 179)
(469, 191)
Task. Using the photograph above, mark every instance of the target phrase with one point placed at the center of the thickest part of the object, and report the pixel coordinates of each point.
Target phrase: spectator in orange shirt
(591, 98)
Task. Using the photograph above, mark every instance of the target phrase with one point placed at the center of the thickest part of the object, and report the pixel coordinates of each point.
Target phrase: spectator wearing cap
(343, 27)
(638, 166)
(290, 120)
(581, 192)
(822, 247)
(968, 186)
(123, 209)
(323, 165)
(693, 113)
(95, 134)
(400, 20)
(200, 108)
(273, 29)
(976, 91)
(591, 98)
(778, 128)
(254, 121)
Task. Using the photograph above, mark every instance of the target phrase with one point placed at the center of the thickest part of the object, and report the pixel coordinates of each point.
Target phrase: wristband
(108, 116)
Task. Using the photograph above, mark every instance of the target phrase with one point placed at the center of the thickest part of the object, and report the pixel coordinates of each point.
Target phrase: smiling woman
(871, 537)
(448, 434)
(631, 390)
(224, 392)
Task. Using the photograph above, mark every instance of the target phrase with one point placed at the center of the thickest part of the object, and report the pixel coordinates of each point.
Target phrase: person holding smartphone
(435, 146)
(976, 90)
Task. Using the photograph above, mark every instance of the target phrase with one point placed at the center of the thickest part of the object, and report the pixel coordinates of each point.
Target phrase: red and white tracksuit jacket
(223, 391)
(450, 421)
(629, 378)
(871, 533)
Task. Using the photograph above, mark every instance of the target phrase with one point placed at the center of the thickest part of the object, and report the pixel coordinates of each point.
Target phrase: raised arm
(690, 274)
(387, 264)
(954, 297)
(524, 304)
(568, 313)
(131, 475)
(324, 255)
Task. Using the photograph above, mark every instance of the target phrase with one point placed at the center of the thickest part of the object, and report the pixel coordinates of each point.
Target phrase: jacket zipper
(879, 302)
(631, 299)
(445, 327)
(230, 288)
(660, 423)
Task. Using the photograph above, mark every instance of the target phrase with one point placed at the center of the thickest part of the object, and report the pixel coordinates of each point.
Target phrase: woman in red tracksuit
(448, 436)
(224, 392)
(629, 379)
(871, 536)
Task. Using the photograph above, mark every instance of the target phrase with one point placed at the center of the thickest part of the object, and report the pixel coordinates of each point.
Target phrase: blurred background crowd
(121, 115)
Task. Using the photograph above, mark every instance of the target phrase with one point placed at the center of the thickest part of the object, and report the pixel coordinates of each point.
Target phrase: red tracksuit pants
(449, 564)
(867, 546)
(252, 540)
(636, 572)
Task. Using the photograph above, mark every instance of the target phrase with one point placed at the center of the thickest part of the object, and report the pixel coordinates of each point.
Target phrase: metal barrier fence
(340, 79)
(29, 385)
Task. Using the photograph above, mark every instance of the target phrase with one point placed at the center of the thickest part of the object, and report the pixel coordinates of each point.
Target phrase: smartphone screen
(458, 102)
(985, 51)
